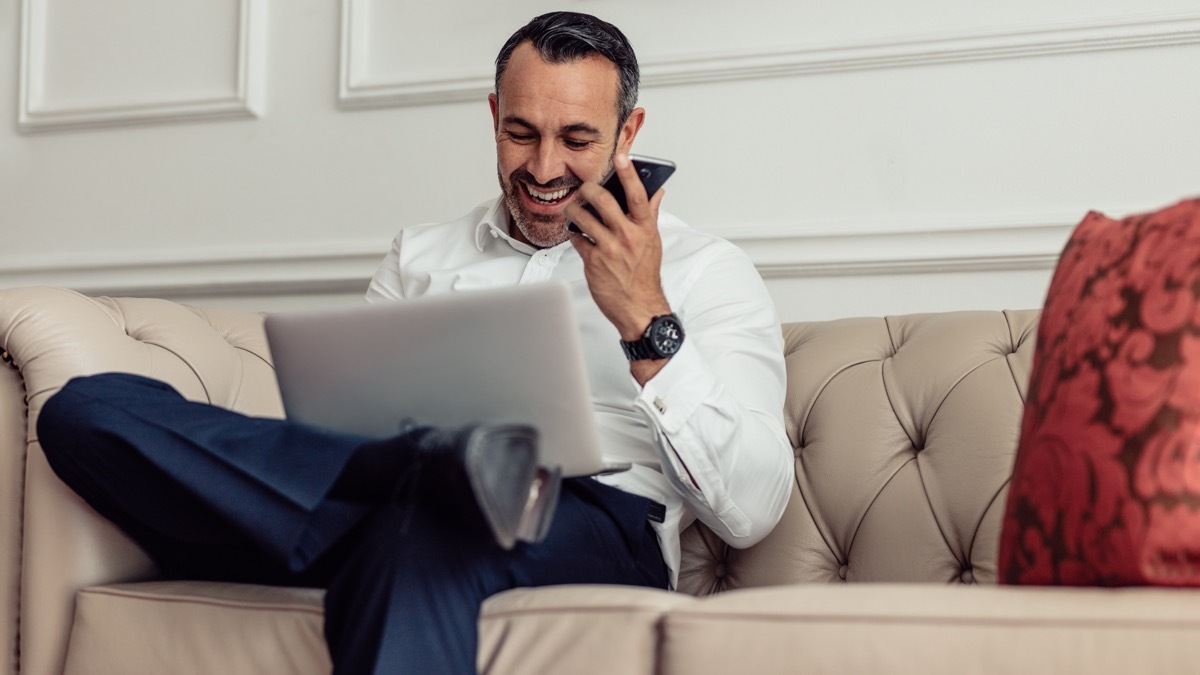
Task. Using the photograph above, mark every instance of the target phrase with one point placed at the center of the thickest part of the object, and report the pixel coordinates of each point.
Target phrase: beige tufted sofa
(904, 429)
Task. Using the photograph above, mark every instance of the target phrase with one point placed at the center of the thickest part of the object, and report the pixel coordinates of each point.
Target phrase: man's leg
(407, 597)
(197, 486)
(209, 493)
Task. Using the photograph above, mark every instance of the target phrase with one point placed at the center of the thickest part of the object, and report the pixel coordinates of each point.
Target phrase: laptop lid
(510, 355)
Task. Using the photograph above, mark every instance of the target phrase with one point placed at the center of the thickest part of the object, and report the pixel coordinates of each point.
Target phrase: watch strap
(638, 350)
(643, 348)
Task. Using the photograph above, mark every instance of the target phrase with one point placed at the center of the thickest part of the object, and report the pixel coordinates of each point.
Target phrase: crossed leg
(213, 494)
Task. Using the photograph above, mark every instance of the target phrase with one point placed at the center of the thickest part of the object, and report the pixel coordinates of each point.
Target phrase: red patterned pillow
(1106, 485)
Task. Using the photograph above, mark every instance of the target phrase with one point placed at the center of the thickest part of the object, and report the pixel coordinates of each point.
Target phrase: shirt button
(543, 261)
(658, 403)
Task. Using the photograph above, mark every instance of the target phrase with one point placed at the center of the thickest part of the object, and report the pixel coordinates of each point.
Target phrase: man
(213, 494)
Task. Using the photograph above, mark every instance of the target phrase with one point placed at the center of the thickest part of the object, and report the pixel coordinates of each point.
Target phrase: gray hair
(563, 37)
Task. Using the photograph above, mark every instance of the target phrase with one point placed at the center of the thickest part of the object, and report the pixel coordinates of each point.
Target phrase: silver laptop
(509, 355)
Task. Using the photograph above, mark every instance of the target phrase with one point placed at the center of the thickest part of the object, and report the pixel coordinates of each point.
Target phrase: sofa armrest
(12, 481)
(51, 336)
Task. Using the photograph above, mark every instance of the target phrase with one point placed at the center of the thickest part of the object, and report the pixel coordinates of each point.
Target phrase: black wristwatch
(662, 339)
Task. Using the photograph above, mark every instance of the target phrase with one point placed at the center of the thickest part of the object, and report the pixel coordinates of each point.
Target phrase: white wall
(872, 157)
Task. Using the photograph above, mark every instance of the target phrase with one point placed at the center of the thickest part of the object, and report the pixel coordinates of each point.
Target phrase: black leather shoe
(515, 497)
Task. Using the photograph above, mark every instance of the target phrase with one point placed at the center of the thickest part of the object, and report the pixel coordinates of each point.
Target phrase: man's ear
(630, 129)
(494, 104)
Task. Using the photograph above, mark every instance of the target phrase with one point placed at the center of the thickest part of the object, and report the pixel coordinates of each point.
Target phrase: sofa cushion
(1106, 485)
(932, 629)
(185, 627)
(197, 627)
(574, 629)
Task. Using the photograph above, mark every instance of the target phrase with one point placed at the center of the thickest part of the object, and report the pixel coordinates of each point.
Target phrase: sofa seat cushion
(185, 627)
(203, 628)
(931, 629)
(577, 629)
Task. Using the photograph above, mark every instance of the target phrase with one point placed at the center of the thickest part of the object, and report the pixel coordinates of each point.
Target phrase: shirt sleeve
(387, 284)
(716, 408)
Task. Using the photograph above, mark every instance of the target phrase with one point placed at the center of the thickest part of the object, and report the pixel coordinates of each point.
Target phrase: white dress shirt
(705, 435)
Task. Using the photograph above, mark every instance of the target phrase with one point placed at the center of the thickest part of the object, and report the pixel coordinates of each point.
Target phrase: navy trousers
(213, 494)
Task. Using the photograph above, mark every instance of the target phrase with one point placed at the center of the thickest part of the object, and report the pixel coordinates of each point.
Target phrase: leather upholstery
(52, 335)
(926, 629)
(904, 430)
(230, 629)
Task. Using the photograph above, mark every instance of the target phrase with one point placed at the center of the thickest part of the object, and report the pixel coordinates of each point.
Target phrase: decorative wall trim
(356, 91)
(244, 99)
(327, 268)
(922, 51)
(932, 245)
(1021, 244)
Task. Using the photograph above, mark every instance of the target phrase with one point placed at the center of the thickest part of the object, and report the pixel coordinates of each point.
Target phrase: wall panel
(883, 157)
(404, 53)
(135, 61)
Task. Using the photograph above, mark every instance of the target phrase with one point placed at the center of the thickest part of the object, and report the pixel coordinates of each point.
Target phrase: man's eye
(576, 145)
(520, 138)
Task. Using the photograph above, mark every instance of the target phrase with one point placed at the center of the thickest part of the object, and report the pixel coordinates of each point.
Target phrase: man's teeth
(547, 197)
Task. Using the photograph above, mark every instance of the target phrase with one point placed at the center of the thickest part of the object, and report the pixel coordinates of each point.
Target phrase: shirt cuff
(674, 393)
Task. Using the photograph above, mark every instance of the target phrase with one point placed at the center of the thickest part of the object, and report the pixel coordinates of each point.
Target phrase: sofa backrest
(905, 430)
(53, 543)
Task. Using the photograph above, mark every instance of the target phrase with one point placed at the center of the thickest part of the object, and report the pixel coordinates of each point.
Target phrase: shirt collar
(495, 225)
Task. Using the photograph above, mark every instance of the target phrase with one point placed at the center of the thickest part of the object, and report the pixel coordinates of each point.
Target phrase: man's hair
(563, 37)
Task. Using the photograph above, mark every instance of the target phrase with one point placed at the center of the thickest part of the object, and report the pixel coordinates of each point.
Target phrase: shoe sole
(501, 464)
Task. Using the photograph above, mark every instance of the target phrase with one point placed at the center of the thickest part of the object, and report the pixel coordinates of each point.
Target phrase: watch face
(666, 335)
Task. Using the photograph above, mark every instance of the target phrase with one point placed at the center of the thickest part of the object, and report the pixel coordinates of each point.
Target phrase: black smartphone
(653, 172)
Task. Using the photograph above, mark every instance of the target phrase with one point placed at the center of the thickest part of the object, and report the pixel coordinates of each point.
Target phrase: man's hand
(622, 260)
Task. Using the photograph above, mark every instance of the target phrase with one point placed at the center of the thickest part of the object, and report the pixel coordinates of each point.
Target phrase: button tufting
(719, 571)
(842, 571)
(967, 576)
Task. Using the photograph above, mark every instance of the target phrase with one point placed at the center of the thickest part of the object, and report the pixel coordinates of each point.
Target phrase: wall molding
(357, 91)
(245, 98)
(1020, 243)
(332, 267)
(1017, 248)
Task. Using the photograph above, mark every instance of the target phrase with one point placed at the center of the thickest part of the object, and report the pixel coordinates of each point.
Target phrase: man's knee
(84, 399)
(82, 411)
(109, 386)
(63, 415)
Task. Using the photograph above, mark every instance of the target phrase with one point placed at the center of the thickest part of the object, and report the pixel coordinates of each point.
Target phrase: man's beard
(540, 230)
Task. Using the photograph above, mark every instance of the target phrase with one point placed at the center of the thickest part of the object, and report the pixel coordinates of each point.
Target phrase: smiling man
(699, 415)
(684, 356)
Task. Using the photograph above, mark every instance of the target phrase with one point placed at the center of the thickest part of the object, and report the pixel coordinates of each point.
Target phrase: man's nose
(547, 163)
